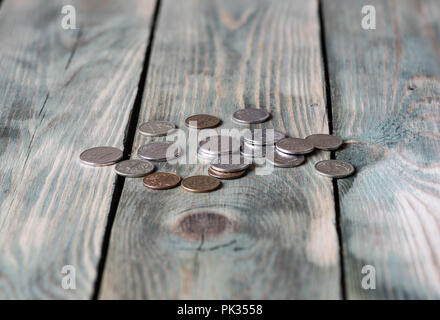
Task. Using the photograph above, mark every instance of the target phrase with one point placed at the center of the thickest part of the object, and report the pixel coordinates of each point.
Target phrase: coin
(254, 151)
(325, 141)
(216, 145)
(134, 168)
(157, 151)
(334, 168)
(100, 156)
(204, 155)
(225, 175)
(294, 146)
(202, 121)
(156, 128)
(278, 159)
(200, 184)
(263, 136)
(230, 163)
(161, 180)
(250, 115)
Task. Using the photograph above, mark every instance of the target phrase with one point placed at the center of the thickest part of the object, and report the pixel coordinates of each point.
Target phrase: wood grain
(62, 91)
(386, 101)
(269, 236)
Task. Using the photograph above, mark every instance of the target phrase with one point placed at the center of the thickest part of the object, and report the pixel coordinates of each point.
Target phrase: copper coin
(202, 121)
(325, 141)
(200, 184)
(294, 146)
(161, 180)
(101, 156)
(225, 175)
(334, 168)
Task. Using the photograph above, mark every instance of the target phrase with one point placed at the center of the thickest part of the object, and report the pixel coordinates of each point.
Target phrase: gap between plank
(128, 145)
(332, 153)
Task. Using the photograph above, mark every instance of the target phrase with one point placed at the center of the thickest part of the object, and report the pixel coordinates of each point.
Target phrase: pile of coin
(229, 157)
(229, 166)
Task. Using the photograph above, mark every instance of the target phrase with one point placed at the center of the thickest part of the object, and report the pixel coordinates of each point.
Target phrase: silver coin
(283, 160)
(204, 159)
(250, 115)
(204, 155)
(254, 151)
(101, 156)
(334, 168)
(134, 168)
(159, 151)
(156, 128)
(263, 136)
(294, 146)
(216, 145)
(325, 141)
(230, 163)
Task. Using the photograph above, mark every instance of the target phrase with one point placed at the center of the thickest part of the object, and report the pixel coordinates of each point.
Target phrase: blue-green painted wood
(61, 91)
(385, 89)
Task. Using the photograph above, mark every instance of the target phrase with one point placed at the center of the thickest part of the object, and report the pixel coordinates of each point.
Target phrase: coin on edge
(250, 115)
(225, 175)
(161, 180)
(334, 168)
(134, 168)
(100, 156)
(157, 151)
(199, 184)
(202, 121)
(283, 160)
(156, 128)
(325, 141)
(294, 146)
(230, 163)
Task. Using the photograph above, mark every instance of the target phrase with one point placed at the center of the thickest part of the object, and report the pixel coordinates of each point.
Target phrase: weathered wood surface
(257, 237)
(386, 102)
(61, 91)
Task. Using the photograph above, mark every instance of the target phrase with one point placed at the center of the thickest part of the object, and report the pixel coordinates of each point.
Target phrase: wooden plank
(62, 91)
(385, 95)
(260, 236)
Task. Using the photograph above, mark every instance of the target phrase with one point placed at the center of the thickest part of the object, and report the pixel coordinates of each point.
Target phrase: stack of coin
(256, 142)
(215, 146)
(263, 137)
(229, 166)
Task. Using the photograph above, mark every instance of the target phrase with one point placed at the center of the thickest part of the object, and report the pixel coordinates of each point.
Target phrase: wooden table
(289, 235)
